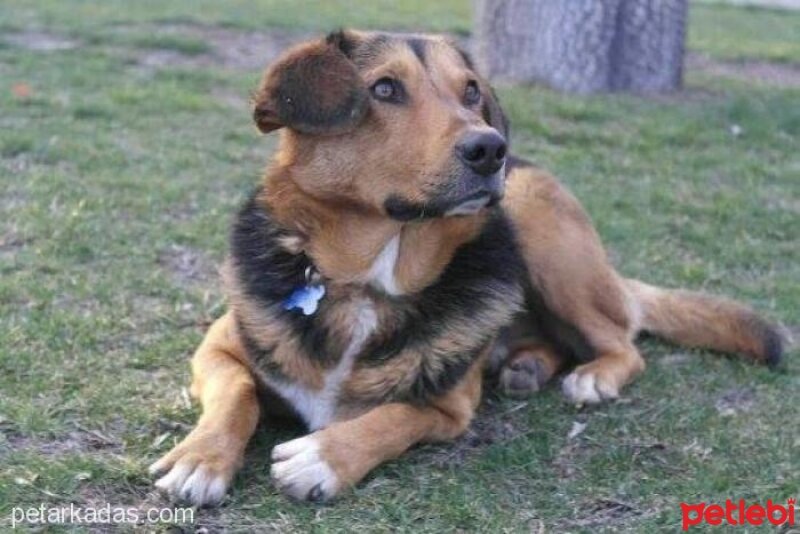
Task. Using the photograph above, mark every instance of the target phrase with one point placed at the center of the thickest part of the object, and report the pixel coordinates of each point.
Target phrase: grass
(118, 181)
(735, 33)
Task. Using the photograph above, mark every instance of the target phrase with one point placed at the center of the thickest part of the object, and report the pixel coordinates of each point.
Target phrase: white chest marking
(318, 407)
(381, 274)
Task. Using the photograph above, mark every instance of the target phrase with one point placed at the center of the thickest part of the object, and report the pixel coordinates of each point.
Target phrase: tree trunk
(583, 46)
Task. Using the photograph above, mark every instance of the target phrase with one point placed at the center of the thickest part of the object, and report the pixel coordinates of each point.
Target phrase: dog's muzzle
(464, 195)
(488, 193)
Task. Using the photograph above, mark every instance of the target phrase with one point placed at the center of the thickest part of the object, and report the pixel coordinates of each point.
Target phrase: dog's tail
(697, 320)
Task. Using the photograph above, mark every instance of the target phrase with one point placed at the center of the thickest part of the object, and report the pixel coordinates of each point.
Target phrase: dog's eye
(388, 90)
(472, 95)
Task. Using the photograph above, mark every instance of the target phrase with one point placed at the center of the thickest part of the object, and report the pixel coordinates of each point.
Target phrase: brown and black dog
(392, 251)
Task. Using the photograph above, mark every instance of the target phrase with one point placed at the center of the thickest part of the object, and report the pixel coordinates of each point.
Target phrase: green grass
(117, 185)
(83, 15)
(729, 32)
(721, 31)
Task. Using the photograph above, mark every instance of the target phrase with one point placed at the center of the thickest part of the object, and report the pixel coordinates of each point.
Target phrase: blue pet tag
(306, 298)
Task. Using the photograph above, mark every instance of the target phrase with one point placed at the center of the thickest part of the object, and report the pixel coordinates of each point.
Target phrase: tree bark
(583, 46)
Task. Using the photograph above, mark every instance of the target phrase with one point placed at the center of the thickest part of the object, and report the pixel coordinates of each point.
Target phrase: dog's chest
(317, 407)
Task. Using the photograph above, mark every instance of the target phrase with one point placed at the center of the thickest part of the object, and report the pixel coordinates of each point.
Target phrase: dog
(394, 252)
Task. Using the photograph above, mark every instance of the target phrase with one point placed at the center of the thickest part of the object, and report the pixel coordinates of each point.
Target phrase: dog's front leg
(320, 465)
(201, 467)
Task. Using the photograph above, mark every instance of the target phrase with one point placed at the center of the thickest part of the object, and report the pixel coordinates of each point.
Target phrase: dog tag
(306, 298)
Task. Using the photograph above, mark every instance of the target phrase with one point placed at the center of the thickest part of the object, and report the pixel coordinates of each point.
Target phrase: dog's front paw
(588, 384)
(300, 471)
(198, 470)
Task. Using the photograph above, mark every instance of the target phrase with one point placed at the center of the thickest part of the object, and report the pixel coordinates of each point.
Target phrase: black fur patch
(340, 40)
(418, 46)
(494, 115)
(466, 58)
(404, 210)
(773, 347)
(567, 339)
(268, 273)
(483, 277)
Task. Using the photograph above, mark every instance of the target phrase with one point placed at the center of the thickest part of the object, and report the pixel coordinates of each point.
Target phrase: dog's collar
(306, 297)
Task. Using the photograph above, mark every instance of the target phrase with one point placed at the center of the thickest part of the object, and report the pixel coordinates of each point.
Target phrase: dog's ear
(491, 110)
(313, 88)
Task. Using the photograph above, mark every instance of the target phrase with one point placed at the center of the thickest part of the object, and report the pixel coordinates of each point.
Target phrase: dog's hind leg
(603, 378)
(200, 468)
(580, 301)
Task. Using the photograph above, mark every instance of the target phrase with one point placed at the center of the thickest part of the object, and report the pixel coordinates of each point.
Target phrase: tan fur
(426, 248)
(697, 320)
(227, 393)
(572, 272)
(355, 446)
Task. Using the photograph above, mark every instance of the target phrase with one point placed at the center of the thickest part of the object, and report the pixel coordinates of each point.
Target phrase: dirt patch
(188, 266)
(570, 456)
(735, 401)
(494, 423)
(211, 520)
(231, 99)
(85, 307)
(767, 73)
(12, 240)
(231, 49)
(792, 337)
(146, 306)
(40, 41)
(605, 511)
(676, 358)
(775, 197)
(78, 441)
(608, 514)
(18, 164)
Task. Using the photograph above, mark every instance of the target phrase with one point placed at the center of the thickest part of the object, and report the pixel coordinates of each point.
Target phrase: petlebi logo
(739, 514)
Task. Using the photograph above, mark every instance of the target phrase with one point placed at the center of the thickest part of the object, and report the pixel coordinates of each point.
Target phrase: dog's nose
(483, 152)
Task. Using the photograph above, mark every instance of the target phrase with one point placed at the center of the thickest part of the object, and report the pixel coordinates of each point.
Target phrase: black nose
(483, 152)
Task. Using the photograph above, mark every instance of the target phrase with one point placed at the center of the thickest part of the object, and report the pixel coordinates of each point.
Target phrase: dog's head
(399, 124)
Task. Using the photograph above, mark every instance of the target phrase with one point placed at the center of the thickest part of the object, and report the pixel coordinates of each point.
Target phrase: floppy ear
(313, 88)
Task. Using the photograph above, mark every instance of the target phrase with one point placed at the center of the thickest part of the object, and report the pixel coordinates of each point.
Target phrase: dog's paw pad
(522, 376)
(300, 472)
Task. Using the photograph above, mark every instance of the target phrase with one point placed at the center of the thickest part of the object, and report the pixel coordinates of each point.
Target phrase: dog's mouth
(472, 204)
(486, 193)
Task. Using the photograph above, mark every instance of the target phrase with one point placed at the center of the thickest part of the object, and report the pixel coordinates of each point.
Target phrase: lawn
(126, 145)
